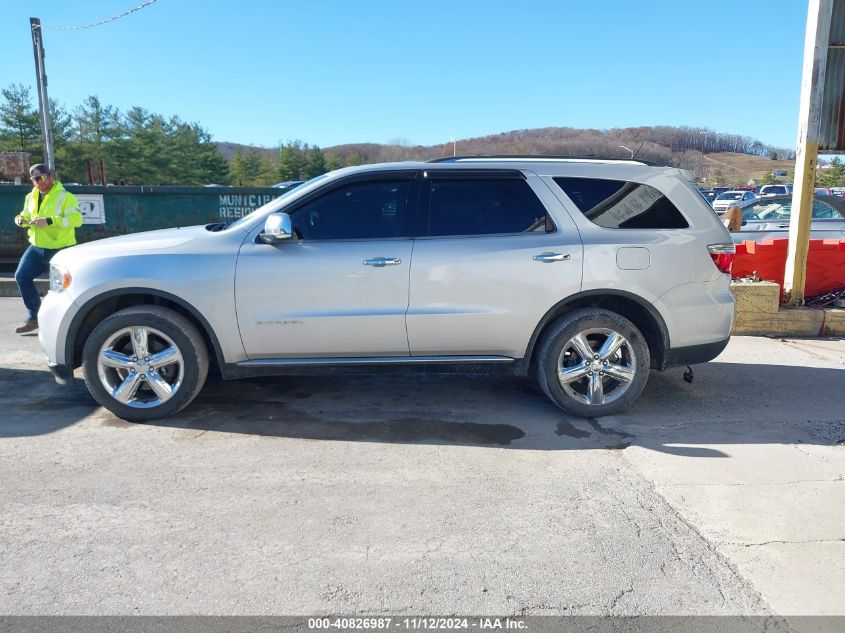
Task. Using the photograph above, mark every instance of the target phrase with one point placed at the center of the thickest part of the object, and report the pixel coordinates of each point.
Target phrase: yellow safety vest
(60, 206)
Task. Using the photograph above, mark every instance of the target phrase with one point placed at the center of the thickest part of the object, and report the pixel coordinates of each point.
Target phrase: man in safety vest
(51, 214)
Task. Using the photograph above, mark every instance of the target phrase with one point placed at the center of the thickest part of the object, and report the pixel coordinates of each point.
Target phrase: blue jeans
(34, 262)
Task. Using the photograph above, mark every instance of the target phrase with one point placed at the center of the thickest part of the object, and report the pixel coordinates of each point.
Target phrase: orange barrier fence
(825, 263)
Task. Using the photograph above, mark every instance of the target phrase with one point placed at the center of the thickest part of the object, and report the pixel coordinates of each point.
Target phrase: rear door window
(774, 189)
(619, 204)
(483, 206)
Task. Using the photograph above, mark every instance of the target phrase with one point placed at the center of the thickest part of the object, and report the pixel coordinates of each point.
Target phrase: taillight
(723, 256)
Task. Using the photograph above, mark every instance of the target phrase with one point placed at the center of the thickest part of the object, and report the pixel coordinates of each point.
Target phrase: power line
(106, 21)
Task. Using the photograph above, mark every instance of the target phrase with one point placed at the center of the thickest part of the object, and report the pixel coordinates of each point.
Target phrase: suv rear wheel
(593, 362)
(144, 362)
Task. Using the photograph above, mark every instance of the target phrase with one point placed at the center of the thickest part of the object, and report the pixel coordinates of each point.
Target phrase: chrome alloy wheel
(596, 366)
(140, 367)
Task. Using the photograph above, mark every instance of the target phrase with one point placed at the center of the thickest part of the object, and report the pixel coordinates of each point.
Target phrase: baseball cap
(39, 169)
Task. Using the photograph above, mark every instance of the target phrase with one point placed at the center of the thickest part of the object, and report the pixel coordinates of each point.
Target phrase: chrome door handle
(382, 261)
(551, 257)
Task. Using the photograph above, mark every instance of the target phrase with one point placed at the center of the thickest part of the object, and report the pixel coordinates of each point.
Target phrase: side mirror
(277, 228)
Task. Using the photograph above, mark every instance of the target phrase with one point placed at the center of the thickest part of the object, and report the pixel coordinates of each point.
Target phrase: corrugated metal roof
(832, 133)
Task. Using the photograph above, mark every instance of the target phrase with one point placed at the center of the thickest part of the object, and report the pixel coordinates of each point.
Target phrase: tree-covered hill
(141, 147)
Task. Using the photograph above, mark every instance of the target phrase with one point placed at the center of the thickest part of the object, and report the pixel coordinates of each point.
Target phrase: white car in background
(768, 219)
(775, 190)
(724, 200)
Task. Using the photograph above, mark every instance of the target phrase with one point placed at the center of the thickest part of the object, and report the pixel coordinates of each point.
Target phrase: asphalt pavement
(430, 494)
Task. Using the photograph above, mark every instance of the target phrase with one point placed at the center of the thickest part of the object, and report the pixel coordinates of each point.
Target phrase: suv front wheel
(593, 362)
(144, 362)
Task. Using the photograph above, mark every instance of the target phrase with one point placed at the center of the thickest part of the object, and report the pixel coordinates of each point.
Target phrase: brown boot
(28, 326)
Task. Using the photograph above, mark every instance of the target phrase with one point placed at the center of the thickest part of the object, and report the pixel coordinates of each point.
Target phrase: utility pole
(816, 42)
(41, 83)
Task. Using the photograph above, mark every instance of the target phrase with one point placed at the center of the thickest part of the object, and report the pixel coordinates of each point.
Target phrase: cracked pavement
(430, 495)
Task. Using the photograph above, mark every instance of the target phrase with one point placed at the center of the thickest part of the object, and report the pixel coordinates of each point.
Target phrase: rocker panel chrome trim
(386, 360)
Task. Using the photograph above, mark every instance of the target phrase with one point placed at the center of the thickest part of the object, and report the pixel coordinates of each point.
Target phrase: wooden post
(816, 43)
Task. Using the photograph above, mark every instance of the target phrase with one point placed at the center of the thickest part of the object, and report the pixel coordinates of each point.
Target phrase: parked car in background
(775, 190)
(287, 184)
(768, 218)
(708, 194)
(724, 200)
(824, 191)
(584, 274)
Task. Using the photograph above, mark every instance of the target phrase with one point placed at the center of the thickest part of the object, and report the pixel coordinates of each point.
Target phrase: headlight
(59, 278)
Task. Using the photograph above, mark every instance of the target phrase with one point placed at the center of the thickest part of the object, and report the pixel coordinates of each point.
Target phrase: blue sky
(330, 71)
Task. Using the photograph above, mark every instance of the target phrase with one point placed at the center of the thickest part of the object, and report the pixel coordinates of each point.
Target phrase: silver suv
(585, 273)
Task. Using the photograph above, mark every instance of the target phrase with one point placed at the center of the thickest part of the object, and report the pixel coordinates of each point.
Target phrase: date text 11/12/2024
(416, 623)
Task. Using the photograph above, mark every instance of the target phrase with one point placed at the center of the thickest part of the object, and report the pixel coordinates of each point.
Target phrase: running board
(378, 360)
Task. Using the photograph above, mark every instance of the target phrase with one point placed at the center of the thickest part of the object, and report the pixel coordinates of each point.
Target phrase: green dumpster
(118, 210)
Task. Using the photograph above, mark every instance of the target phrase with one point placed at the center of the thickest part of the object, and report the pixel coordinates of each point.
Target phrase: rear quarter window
(619, 204)
(775, 189)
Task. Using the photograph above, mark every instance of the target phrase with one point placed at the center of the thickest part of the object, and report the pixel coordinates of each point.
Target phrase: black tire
(151, 392)
(616, 380)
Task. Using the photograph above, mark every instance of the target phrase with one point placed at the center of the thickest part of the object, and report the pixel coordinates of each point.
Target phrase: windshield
(273, 202)
(731, 195)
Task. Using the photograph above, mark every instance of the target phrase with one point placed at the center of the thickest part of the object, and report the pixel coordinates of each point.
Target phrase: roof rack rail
(594, 157)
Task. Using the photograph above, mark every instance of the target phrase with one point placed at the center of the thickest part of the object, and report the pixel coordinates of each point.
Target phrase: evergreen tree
(315, 163)
(68, 162)
(267, 172)
(245, 168)
(138, 148)
(119, 152)
(333, 162)
(96, 127)
(180, 144)
(215, 167)
(833, 175)
(291, 161)
(147, 144)
(20, 126)
(194, 159)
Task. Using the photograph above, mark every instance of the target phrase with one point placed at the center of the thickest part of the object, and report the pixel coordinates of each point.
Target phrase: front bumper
(54, 319)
